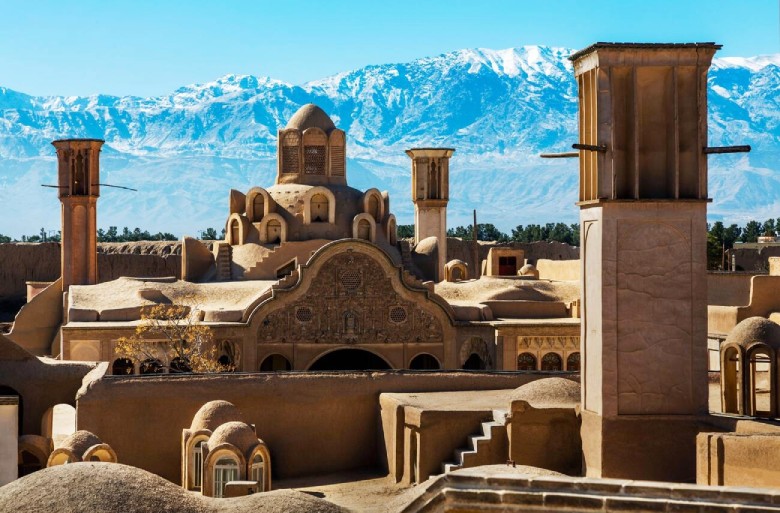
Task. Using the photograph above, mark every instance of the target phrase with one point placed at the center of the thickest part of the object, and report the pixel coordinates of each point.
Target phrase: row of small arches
(549, 362)
(126, 367)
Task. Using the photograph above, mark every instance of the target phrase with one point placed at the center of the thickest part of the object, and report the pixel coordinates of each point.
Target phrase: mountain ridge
(498, 108)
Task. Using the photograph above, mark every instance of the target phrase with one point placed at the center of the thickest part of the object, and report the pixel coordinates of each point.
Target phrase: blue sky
(150, 48)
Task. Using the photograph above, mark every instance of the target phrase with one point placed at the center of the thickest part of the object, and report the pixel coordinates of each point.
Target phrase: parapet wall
(534, 251)
(313, 422)
(22, 262)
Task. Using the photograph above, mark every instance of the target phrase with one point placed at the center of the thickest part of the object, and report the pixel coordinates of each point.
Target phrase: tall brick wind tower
(643, 214)
(430, 195)
(78, 170)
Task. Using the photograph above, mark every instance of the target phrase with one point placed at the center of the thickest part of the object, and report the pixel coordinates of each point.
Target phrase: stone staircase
(223, 261)
(406, 259)
(489, 447)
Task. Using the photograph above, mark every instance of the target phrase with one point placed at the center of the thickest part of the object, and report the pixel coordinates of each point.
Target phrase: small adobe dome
(549, 393)
(213, 414)
(528, 270)
(755, 330)
(238, 434)
(79, 442)
(311, 116)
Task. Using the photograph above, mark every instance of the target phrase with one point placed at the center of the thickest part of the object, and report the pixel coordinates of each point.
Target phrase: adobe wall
(313, 423)
(728, 289)
(23, 262)
(462, 250)
(559, 270)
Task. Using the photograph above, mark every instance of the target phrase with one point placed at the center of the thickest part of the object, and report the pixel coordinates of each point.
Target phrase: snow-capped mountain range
(498, 108)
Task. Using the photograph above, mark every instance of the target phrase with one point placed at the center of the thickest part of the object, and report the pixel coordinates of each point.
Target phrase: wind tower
(78, 169)
(643, 214)
(430, 195)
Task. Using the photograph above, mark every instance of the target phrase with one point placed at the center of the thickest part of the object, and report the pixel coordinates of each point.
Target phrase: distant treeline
(568, 233)
(721, 238)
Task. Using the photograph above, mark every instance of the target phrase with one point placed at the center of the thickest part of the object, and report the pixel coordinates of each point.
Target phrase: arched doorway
(424, 361)
(474, 362)
(349, 359)
(122, 367)
(552, 362)
(275, 362)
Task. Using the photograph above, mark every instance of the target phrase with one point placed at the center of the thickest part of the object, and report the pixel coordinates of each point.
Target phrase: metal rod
(590, 147)
(55, 186)
(115, 186)
(564, 155)
(709, 150)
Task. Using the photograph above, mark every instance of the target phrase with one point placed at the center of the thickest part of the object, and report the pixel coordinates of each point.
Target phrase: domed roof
(238, 434)
(549, 393)
(213, 414)
(310, 116)
(755, 330)
(79, 442)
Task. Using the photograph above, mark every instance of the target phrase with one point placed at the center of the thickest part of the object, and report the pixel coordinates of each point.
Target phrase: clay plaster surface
(488, 288)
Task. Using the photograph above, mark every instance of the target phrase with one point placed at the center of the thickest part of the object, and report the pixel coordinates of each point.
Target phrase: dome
(549, 393)
(79, 442)
(310, 116)
(213, 414)
(755, 330)
(238, 434)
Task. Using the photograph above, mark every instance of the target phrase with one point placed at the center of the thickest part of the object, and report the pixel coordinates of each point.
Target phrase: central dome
(311, 116)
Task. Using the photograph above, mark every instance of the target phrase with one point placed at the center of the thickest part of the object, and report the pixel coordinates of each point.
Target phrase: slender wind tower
(78, 170)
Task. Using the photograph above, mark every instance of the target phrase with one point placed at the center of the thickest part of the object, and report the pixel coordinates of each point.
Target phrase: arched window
(552, 362)
(258, 204)
(28, 463)
(179, 365)
(760, 383)
(291, 153)
(227, 363)
(225, 470)
(197, 462)
(526, 362)
(424, 361)
(275, 362)
(364, 230)
(433, 181)
(273, 231)
(122, 367)
(151, 366)
(319, 208)
(573, 362)
(256, 471)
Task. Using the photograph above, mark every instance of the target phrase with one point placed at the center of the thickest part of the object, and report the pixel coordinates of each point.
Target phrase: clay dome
(213, 414)
(549, 393)
(755, 330)
(238, 434)
(311, 116)
(79, 442)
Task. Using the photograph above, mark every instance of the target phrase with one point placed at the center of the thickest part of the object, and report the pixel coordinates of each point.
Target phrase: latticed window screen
(351, 279)
(290, 160)
(314, 160)
(337, 161)
(304, 314)
(526, 361)
(398, 314)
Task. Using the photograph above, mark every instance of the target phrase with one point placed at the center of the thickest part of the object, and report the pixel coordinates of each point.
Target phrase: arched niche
(552, 362)
(364, 227)
(732, 379)
(392, 230)
(761, 389)
(273, 229)
(338, 153)
(122, 367)
(474, 354)
(236, 230)
(258, 204)
(315, 152)
(456, 270)
(290, 152)
(320, 192)
(374, 204)
(573, 362)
